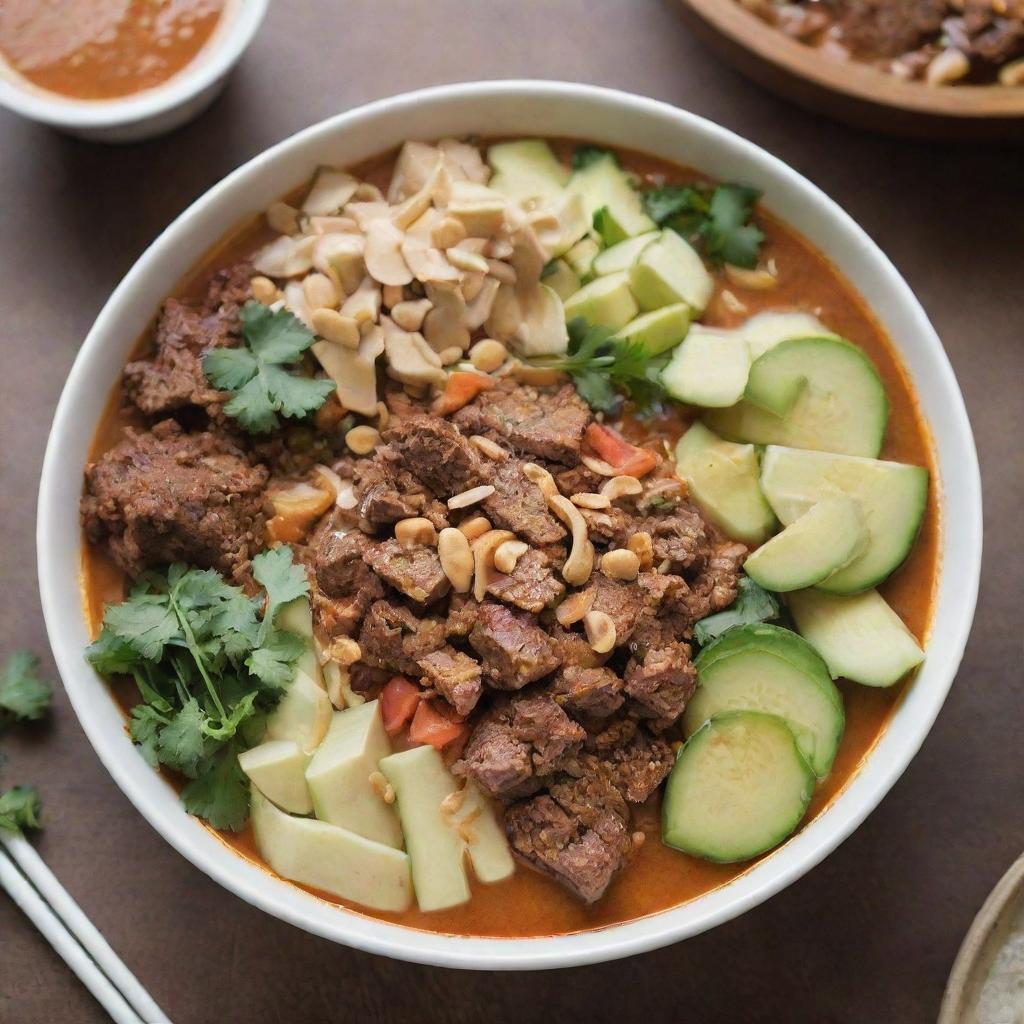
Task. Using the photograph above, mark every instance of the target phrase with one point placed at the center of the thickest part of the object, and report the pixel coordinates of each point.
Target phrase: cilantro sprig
(605, 369)
(255, 372)
(208, 666)
(718, 219)
(753, 604)
(20, 809)
(23, 695)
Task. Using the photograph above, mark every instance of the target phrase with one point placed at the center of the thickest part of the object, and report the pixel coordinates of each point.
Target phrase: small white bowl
(507, 109)
(152, 111)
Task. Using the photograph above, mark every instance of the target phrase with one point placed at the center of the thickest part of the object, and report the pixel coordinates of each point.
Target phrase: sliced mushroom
(331, 190)
(528, 256)
(383, 255)
(354, 370)
(445, 325)
(410, 359)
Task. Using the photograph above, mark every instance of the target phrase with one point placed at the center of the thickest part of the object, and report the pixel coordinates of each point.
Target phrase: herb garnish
(604, 368)
(208, 669)
(718, 219)
(584, 156)
(23, 695)
(753, 604)
(20, 809)
(255, 373)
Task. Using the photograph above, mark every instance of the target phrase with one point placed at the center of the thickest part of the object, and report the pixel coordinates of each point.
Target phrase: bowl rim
(915, 714)
(240, 21)
(856, 80)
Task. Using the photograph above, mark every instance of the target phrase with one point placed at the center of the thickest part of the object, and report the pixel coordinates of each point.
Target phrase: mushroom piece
(286, 257)
(331, 190)
(426, 263)
(410, 359)
(354, 371)
(342, 253)
(383, 254)
(445, 325)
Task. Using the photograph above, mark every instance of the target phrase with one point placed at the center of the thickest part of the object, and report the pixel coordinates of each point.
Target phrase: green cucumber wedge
(825, 539)
(892, 497)
(771, 669)
(658, 331)
(604, 302)
(723, 481)
(739, 787)
(764, 331)
(623, 255)
(818, 393)
(708, 369)
(607, 190)
(526, 169)
(860, 637)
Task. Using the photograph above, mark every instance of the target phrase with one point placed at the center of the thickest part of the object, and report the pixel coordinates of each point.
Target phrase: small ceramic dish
(152, 111)
(1001, 914)
(857, 93)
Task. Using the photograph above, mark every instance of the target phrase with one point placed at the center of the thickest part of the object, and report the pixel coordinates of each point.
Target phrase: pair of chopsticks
(35, 889)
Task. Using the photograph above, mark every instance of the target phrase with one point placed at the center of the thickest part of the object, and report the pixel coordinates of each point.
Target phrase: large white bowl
(507, 108)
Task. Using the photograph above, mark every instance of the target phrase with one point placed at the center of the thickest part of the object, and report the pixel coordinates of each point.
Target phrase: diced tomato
(435, 723)
(462, 387)
(611, 446)
(399, 701)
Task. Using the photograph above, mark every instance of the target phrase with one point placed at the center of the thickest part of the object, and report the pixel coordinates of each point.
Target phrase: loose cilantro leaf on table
(605, 370)
(20, 809)
(255, 372)
(753, 604)
(209, 664)
(717, 219)
(23, 695)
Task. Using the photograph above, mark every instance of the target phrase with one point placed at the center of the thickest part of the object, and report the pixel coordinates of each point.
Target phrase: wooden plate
(856, 93)
(982, 943)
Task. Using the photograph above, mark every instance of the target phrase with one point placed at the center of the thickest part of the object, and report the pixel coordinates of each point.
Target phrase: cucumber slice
(825, 539)
(739, 787)
(771, 669)
(709, 368)
(670, 270)
(723, 481)
(606, 302)
(860, 637)
(818, 393)
(764, 331)
(605, 187)
(526, 169)
(658, 331)
(581, 258)
(624, 254)
(892, 498)
(561, 279)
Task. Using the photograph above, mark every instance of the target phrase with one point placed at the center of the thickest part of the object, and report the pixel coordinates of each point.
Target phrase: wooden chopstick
(73, 935)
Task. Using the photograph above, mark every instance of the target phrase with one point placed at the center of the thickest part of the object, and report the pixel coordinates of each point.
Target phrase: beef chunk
(518, 504)
(680, 536)
(462, 611)
(393, 638)
(435, 452)
(578, 480)
(623, 602)
(382, 498)
(545, 424)
(344, 586)
(607, 734)
(584, 858)
(531, 586)
(590, 691)
(572, 648)
(662, 682)
(719, 578)
(992, 38)
(609, 527)
(514, 649)
(635, 768)
(456, 676)
(552, 735)
(886, 28)
(666, 615)
(415, 571)
(167, 496)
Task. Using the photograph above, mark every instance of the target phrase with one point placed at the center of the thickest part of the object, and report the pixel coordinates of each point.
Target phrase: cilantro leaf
(220, 791)
(145, 622)
(281, 578)
(111, 654)
(273, 662)
(752, 604)
(144, 729)
(584, 156)
(23, 695)
(181, 744)
(20, 809)
(254, 373)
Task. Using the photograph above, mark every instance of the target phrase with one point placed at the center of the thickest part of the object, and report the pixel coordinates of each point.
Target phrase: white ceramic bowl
(506, 108)
(153, 111)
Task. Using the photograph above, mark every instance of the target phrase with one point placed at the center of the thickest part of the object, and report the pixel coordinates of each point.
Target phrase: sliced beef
(582, 857)
(546, 424)
(434, 451)
(532, 585)
(605, 735)
(383, 499)
(681, 537)
(635, 767)
(715, 586)
(572, 648)
(166, 496)
(578, 480)
(666, 616)
(621, 601)
(513, 647)
(393, 638)
(462, 612)
(344, 585)
(609, 527)
(661, 682)
(415, 571)
(549, 731)
(518, 504)
(456, 676)
(590, 691)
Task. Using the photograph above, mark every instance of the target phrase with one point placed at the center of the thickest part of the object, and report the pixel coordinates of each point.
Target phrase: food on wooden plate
(421, 527)
(940, 42)
(89, 51)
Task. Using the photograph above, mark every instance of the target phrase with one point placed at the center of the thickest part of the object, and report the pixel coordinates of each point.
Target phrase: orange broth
(658, 877)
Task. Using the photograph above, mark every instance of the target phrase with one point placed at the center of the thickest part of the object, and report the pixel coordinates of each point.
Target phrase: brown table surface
(870, 934)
